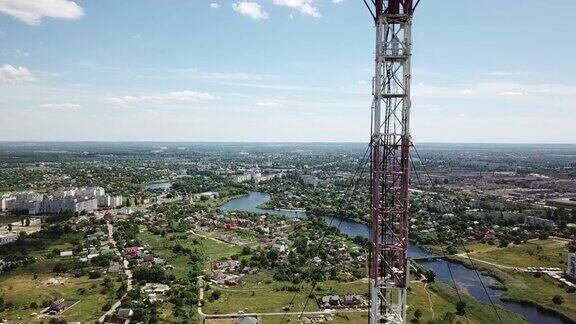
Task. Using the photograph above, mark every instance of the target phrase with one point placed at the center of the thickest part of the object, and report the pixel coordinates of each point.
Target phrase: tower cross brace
(390, 145)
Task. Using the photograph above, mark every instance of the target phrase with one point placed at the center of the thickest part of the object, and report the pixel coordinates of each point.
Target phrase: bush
(558, 300)
(107, 306)
(430, 276)
(417, 316)
(95, 275)
(461, 308)
(60, 267)
(215, 295)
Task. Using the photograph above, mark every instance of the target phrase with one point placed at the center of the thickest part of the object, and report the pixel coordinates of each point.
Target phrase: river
(465, 278)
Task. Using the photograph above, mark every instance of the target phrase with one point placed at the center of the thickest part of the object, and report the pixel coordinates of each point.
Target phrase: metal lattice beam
(389, 268)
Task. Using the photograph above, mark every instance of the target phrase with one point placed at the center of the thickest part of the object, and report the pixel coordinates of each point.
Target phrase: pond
(165, 185)
(465, 278)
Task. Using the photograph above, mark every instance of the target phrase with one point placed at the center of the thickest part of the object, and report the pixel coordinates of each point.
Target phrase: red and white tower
(390, 143)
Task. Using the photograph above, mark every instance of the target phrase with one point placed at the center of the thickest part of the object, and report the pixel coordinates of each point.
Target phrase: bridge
(430, 258)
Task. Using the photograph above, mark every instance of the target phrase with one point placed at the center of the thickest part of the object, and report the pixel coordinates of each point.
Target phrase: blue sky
(280, 70)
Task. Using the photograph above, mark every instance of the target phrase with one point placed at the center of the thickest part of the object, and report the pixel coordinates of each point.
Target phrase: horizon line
(275, 142)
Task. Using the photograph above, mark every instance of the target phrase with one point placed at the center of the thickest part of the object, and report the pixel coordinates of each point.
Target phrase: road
(325, 312)
(127, 271)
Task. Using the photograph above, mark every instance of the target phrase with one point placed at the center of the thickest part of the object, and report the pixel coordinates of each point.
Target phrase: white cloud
(60, 106)
(507, 73)
(32, 11)
(250, 9)
(226, 76)
(539, 94)
(214, 5)
(11, 74)
(304, 6)
(21, 53)
(513, 93)
(337, 1)
(161, 98)
(269, 104)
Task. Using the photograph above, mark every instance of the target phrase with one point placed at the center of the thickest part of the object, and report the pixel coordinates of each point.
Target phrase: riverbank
(529, 290)
(464, 276)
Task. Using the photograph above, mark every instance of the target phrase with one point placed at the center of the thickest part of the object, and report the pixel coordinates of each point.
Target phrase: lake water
(465, 278)
(158, 185)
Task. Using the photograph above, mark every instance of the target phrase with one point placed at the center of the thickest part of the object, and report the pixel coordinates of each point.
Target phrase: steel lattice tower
(390, 145)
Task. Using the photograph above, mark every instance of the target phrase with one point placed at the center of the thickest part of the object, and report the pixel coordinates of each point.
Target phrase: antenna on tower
(390, 151)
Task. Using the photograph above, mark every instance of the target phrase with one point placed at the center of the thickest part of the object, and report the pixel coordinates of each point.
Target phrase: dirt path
(429, 300)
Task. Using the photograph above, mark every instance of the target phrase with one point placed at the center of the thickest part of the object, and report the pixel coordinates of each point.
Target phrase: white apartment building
(108, 201)
(90, 192)
(242, 178)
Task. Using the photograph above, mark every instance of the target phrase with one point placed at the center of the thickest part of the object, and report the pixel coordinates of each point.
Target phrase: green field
(20, 288)
(535, 253)
(161, 246)
(262, 296)
(526, 287)
(437, 299)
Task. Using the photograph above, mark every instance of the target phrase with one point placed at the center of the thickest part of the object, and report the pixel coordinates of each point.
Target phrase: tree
(153, 273)
(108, 284)
(27, 221)
(107, 306)
(504, 242)
(60, 267)
(558, 300)
(461, 308)
(451, 249)
(215, 295)
(430, 276)
(572, 246)
(417, 315)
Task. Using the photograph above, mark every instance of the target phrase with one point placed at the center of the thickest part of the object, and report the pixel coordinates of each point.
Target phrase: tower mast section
(390, 145)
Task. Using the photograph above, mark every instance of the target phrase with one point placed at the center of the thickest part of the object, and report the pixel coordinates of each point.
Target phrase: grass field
(436, 299)
(536, 253)
(525, 287)
(433, 300)
(162, 247)
(20, 288)
(260, 294)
